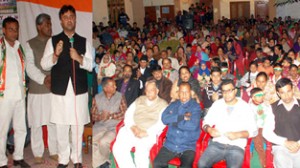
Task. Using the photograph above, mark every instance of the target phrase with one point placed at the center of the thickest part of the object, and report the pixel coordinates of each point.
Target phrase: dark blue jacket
(182, 135)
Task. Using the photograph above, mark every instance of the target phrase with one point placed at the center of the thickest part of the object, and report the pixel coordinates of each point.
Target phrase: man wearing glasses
(230, 122)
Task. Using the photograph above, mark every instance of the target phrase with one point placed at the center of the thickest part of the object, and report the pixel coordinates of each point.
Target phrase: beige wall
(185, 4)
(217, 10)
(100, 11)
(157, 2)
(138, 13)
(272, 9)
(129, 10)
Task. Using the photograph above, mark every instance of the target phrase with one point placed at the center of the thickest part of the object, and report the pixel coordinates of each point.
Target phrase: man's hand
(94, 110)
(187, 116)
(58, 48)
(135, 129)
(142, 134)
(232, 135)
(104, 115)
(139, 133)
(215, 96)
(75, 56)
(47, 81)
(213, 132)
(292, 146)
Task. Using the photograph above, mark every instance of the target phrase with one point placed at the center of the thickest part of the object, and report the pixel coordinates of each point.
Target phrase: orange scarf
(3, 65)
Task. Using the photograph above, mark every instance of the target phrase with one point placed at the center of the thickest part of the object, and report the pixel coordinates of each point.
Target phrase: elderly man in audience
(108, 109)
(142, 125)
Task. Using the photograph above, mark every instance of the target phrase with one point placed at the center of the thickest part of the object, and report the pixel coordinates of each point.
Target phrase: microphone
(71, 40)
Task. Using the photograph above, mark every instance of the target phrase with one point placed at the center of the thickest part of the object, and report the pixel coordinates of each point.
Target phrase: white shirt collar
(295, 102)
(16, 45)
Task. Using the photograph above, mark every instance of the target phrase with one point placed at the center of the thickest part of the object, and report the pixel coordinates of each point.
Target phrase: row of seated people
(230, 121)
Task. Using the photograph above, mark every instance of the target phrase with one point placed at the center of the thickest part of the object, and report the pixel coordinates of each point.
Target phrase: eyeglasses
(228, 91)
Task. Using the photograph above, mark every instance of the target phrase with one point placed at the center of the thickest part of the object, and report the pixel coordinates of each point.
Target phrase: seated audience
(186, 76)
(168, 71)
(163, 84)
(261, 110)
(107, 111)
(212, 91)
(142, 125)
(282, 126)
(183, 120)
(127, 86)
(230, 130)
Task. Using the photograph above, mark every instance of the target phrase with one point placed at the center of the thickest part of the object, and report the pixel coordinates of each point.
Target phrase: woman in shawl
(106, 68)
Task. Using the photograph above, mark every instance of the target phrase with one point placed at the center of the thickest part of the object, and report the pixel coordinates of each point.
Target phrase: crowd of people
(244, 73)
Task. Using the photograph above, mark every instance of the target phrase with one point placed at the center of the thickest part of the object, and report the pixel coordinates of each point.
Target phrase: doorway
(239, 10)
(262, 8)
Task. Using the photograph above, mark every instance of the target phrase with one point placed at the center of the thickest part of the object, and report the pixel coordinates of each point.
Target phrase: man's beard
(127, 76)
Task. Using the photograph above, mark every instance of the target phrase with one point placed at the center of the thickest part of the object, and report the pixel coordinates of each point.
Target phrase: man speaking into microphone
(69, 57)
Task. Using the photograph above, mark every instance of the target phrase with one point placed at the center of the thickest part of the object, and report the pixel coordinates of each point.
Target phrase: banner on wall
(28, 10)
(8, 8)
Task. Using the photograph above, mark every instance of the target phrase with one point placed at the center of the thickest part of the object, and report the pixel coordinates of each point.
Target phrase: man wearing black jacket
(142, 72)
(128, 86)
(69, 57)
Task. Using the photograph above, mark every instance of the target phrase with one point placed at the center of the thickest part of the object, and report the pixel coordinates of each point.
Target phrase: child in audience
(266, 67)
(261, 111)
(286, 66)
(225, 72)
(277, 73)
(203, 75)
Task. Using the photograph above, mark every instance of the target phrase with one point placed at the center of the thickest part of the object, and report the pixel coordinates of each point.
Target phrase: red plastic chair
(118, 127)
(269, 155)
(222, 164)
(176, 161)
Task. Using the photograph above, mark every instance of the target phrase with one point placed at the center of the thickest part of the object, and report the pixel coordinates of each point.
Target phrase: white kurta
(125, 140)
(63, 109)
(12, 104)
(38, 104)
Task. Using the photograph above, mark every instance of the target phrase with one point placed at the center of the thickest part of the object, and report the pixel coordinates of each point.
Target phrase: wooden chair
(87, 133)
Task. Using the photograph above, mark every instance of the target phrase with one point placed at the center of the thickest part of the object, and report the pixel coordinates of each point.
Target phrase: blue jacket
(182, 135)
